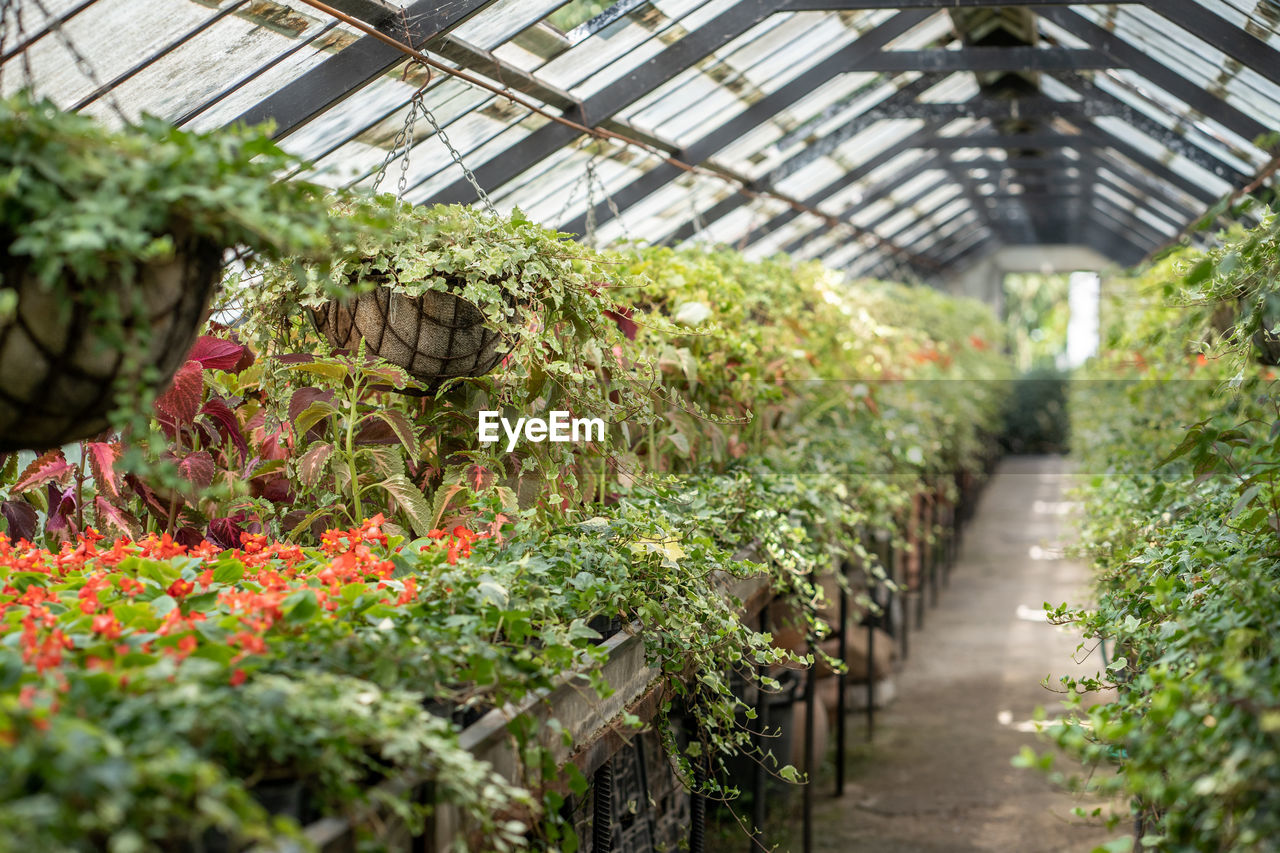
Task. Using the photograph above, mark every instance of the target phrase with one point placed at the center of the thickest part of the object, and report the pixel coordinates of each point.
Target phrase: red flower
(237, 677)
(251, 643)
(106, 625)
(410, 591)
(162, 548)
(180, 588)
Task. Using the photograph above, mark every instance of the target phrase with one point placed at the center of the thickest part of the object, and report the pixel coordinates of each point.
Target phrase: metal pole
(917, 556)
(871, 676)
(841, 678)
(931, 545)
(811, 772)
(761, 774)
(900, 597)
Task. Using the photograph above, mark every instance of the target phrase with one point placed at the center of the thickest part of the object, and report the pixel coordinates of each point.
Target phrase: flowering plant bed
(317, 577)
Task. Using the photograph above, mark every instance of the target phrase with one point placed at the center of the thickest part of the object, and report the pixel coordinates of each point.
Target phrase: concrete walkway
(937, 777)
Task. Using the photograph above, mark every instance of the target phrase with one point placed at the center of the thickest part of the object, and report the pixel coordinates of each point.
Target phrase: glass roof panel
(1191, 57)
(504, 20)
(208, 61)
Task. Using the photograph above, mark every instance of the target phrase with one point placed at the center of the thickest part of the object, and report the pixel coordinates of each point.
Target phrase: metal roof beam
(1160, 75)
(902, 99)
(845, 181)
(345, 73)
(613, 98)
(873, 195)
(748, 120)
(968, 211)
(1103, 140)
(959, 238)
(1143, 201)
(1212, 28)
(1018, 58)
(987, 245)
(1114, 244)
(1011, 141)
(517, 79)
(1144, 182)
(1006, 109)
(1124, 221)
(1148, 126)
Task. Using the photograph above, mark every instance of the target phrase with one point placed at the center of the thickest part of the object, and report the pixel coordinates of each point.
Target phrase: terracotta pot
(59, 362)
(821, 732)
(435, 336)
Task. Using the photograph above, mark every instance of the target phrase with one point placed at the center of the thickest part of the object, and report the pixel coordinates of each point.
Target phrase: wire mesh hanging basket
(63, 349)
(435, 336)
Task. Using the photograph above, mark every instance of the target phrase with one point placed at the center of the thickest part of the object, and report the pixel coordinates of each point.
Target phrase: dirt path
(937, 778)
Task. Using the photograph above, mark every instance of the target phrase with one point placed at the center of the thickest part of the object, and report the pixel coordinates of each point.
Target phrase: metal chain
(589, 228)
(698, 225)
(613, 209)
(403, 138)
(457, 158)
(82, 64)
(28, 78)
(569, 199)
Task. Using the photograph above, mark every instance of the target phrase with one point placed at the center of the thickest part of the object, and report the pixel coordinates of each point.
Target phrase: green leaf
(401, 427)
(300, 606)
(161, 605)
(312, 415)
(412, 501)
(331, 370)
(1245, 499)
(1115, 845)
(1200, 273)
(228, 571)
(312, 464)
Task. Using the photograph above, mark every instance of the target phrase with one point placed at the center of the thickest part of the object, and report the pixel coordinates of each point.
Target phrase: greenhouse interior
(625, 426)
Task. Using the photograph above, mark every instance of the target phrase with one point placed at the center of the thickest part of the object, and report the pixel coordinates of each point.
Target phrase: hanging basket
(61, 352)
(435, 336)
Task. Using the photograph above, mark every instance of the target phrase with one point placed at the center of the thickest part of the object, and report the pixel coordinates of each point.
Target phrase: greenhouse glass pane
(1193, 59)
(1211, 182)
(503, 21)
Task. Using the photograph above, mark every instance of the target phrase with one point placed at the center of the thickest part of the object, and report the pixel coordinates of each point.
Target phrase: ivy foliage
(1178, 428)
(79, 202)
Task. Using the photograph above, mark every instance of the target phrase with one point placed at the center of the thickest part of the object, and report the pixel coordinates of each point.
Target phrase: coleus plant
(202, 436)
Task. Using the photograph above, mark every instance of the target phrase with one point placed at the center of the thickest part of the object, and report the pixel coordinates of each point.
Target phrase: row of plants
(1176, 428)
(293, 567)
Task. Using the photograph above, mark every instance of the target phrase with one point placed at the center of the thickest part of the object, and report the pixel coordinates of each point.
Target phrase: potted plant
(113, 244)
(443, 292)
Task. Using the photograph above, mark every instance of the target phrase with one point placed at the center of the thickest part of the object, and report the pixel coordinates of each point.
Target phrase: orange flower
(107, 625)
(180, 588)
